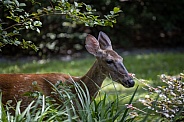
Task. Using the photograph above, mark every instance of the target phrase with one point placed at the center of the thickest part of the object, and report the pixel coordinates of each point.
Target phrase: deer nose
(130, 82)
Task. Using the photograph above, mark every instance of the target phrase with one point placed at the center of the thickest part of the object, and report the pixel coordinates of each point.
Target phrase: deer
(107, 64)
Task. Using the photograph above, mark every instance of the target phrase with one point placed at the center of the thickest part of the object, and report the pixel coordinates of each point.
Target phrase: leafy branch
(81, 13)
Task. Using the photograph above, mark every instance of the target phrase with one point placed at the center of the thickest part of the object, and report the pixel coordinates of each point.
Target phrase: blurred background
(143, 24)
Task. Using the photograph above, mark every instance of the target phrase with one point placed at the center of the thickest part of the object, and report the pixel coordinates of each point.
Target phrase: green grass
(149, 66)
(77, 67)
(144, 66)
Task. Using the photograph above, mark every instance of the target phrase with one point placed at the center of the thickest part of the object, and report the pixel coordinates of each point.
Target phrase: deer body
(108, 64)
(14, 86)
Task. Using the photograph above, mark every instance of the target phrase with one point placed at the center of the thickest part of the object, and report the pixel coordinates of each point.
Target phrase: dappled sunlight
(149, 66)
(75, 67)
(10, 69)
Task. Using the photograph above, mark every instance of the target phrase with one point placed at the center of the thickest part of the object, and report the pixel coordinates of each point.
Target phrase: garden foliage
(166, 100)
(162, 103)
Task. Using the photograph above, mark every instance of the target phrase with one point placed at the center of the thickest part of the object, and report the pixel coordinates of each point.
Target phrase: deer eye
(109, 61)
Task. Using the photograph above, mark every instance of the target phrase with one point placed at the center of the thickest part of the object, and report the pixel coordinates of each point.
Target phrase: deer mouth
(128, 83)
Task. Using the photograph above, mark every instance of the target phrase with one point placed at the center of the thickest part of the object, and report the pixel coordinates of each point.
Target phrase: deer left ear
(104, 40)
(92, 45)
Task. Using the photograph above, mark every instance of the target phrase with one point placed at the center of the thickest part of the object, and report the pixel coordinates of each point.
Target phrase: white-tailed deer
(108, 64)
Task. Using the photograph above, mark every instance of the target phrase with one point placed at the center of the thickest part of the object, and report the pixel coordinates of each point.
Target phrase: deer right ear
(104, 40)
(92, 44)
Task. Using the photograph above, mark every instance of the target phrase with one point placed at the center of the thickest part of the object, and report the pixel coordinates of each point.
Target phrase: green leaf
(88, 8)
(130, 102)
(17, 42)
(112, 12)
(27, 27)
(76, 4)
(5, 41)
(37, 23)
(17, 19)
(9, 17)
(116, 10)
(19, 10)
(16, 2)
(7, 2)
(4, 32)
(22, 4)
(38, 30)
(39, 11)
(1, 44)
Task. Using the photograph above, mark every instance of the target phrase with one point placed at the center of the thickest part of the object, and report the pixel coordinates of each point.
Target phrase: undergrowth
(158, 105)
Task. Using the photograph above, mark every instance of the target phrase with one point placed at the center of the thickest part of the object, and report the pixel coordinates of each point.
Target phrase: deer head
(110, 62)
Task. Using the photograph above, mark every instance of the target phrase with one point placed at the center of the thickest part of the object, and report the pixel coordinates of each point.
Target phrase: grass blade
(2, 110)
(126, 111)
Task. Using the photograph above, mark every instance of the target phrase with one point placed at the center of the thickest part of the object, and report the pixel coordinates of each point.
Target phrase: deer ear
(92, 44)
(104, 40)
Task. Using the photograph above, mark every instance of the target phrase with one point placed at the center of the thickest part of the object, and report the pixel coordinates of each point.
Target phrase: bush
(166, 100)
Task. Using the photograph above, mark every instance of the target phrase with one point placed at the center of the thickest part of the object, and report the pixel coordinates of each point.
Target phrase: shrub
(166, 100)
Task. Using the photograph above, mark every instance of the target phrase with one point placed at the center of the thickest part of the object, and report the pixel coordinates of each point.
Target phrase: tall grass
(72, 108)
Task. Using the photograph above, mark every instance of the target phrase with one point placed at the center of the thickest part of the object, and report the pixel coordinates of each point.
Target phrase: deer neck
(94, 78)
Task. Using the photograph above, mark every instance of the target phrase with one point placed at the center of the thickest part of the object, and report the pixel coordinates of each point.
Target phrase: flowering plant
(168, 99)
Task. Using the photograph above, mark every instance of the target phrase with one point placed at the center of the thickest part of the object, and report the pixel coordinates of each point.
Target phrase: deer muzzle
(130, 83)
(127, 80)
